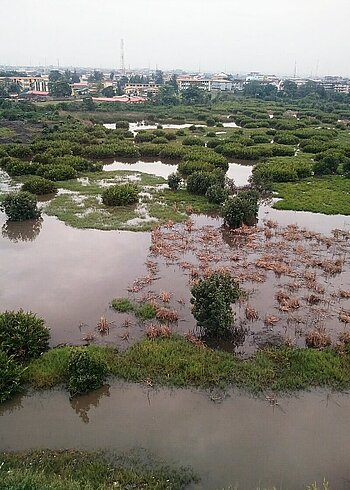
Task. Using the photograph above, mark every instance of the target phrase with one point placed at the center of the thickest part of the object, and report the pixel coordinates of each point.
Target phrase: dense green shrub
(216, 194)
(57, 172)
(20, 206)
(11, 377)
(21, 168)
(120, 194)
(85, 371)
(241, 209)
(159, 140)
(111, 150)
(211, 299)
(122, 125)
(23, 334)
(199, 182)
(205, 155)
(261, 138)
(193, 141)
(149, 150)
(80, 164)
(288, 169)
(172, 152)
(188, 168)
(328, 162)
(171, 136)
(180, 132)
(286, 138)
(39, 186)
(174, 180)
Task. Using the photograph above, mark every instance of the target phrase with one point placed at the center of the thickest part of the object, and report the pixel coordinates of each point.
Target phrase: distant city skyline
(190, 35)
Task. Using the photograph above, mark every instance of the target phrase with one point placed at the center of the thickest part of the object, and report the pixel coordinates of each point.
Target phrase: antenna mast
(122, 60)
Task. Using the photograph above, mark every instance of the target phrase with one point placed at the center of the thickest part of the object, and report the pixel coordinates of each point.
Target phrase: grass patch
(328, 195)
(146, 311)
(74, 470)
(122, 305)
(174, 361)
(183, 200)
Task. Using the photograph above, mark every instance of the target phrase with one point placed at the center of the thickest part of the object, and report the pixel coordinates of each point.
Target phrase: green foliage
(241, 209)
(11, 377)
(187, 168)
(23, 334)
(120, 194)
(289, 169)
(199, 182)
(80, 164)
(20, 206)
(172, 152)
(192, 141)
(216, 194)
(149, 150)
(174, 180)
(145, 311)
(328, 162)
(85, 371)
(211, 299)
(57, 172)
(76, 470)
(111, 150)
(122, 305)
(39, 186)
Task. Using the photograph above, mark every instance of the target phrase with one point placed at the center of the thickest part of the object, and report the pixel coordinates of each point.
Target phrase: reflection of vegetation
(11, 377)
(23, 231)
(73, 470)
(83, 403)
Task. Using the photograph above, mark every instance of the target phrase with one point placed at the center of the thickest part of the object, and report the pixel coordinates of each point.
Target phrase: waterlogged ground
(247, 443)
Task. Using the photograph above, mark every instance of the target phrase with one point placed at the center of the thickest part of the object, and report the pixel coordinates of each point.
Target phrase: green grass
(176, 362)
(328, 195)
(6, 132)
(122, 305)
(77, 470)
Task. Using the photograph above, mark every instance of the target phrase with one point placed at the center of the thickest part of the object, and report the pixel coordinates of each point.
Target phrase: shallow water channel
(241, 441)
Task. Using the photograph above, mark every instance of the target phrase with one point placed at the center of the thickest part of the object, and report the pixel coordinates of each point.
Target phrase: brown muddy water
(244, 442)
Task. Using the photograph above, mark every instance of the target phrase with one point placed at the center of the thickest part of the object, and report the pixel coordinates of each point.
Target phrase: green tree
(55, 76)
(167, 95)
(158, 77)
(211, 300)
(194, 95)
(61, 88)
(108, 91)
(241, 209)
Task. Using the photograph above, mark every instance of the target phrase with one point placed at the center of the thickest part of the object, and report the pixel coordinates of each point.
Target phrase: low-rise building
(38, 84)
(141, 89)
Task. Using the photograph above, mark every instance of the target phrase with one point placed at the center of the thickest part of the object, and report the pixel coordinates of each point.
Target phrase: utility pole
(295, 69)
(122, 60)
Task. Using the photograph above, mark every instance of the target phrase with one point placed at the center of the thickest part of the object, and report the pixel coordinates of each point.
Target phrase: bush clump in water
(241, 209)
(11, 377)
(211, 299)
(85, 372)
(146, 311)
(216, 194)
(174, 180)
(39, 186)
(20, 206)
(120, 195)
(23, 335)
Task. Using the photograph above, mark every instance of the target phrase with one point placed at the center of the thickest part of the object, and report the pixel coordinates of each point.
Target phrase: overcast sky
(236, 36)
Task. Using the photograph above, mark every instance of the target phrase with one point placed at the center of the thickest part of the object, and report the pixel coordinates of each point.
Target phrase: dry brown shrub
(271, 320)
(155, 331)
(344, 293)
(344, 337)
(166, 315)
(194, 340)
(250, 313)
(89, 337)
(317, 339)
(103, 325)
(165, 296)
(313, 299)
(344, 316)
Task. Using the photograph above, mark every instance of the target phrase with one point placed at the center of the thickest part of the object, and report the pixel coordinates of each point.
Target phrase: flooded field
(244, 442)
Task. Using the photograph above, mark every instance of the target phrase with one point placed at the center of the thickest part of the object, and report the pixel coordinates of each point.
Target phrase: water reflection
(83, 403)
(22, 231)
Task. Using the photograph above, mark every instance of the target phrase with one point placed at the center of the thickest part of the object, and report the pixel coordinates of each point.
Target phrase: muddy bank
(287, 443)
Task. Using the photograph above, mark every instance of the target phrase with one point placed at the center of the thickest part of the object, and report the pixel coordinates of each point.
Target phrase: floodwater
(238, 172)
(141, 125)
(244, 442)
(68, 276)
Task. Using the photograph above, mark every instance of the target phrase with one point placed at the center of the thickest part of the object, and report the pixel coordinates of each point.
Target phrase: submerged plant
(120, 195)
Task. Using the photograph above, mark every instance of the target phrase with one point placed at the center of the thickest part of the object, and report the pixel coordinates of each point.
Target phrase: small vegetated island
(62, 152)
